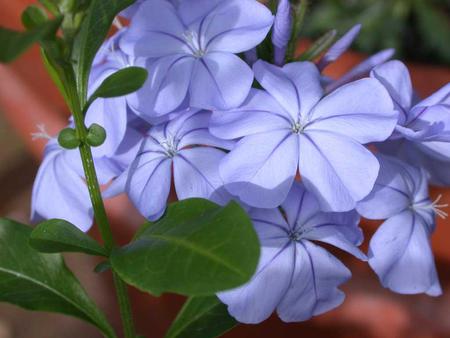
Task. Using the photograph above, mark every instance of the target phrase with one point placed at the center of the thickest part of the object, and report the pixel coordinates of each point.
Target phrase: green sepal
(318, 47)
(57, 235)
(202, 317)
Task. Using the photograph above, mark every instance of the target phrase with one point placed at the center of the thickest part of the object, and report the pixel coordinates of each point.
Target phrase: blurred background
(418, 29)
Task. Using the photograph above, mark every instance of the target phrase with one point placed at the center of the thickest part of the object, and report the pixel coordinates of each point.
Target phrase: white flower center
(41, 134)
(297, 128)
(433, 206)
(170, 146)
(193, 41)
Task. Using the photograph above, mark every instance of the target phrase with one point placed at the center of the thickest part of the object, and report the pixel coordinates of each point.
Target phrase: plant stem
(100, 215)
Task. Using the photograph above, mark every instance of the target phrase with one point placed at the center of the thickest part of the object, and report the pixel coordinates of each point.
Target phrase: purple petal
(339, 47)
(220, 81)
(261, 168)
(394, 76)
(156, 21)
(296, 86)
(196, 172)
(166, 88)
(148, 184)
(338, 170)
(258, 114)
(236, 26)
(351, 112)
(393, 190)
(401, 255)
(313, 287)
(59, 192)
(442, 96)
(252, 303)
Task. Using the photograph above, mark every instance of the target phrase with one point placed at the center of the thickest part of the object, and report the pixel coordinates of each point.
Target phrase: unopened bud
(96, 135)
(68, 139)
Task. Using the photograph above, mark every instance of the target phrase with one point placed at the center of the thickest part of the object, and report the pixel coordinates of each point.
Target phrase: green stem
(100, 215)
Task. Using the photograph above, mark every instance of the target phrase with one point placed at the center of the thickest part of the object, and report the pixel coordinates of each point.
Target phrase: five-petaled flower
(193, 47)
(291, 126)
(400, 251)
(295, 276)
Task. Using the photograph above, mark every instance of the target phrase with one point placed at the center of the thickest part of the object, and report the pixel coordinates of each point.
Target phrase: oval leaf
(57, 235)
(198, 248)
(41, 282)
(122, 82)
(202, 317)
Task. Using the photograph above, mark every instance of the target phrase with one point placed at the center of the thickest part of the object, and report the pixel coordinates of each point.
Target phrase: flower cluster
(285, 141)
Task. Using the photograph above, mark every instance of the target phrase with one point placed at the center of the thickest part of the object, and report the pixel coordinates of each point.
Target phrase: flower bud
(96, 135)
(68, 139)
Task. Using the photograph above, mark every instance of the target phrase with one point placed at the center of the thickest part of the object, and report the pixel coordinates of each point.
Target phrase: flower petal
(401, 255)
(220, 81)
(351, 112)
(148, 184)
(394, 76)
(236, 26)
(261, 168)
(338, 170)
(59, 192)
(313, 287)
(393, 192)
(166, 88)
(258, 114)
(442, 96)
(156, 21)
(296, 86)
(252, 303)
(196, 172)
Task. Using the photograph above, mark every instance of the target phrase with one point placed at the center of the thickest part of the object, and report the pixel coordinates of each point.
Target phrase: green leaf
(202, 317)
(90, 37)
(56, 235)
(197, 249)
(33, 17)
(41, 282)
(122, 82)
(319, 46)
(14, 43)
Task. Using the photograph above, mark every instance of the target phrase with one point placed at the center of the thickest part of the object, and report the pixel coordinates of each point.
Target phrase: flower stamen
(41, 134)
(434, 206)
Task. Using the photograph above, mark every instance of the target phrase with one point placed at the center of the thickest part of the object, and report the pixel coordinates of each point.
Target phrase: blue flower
(400, 251)
(193, 44)
(183, 149)
(291, 126)
(422, 135)
(295, 276)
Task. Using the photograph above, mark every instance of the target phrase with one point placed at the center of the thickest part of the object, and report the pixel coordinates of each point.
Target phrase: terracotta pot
(28, 98)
